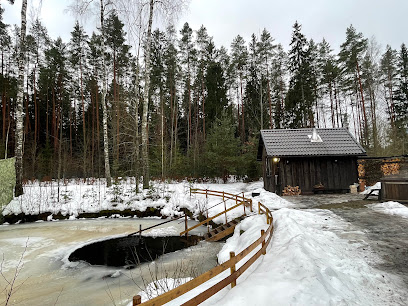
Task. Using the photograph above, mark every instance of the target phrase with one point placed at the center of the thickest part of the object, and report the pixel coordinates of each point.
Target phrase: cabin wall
(335, 173)
(269, 182)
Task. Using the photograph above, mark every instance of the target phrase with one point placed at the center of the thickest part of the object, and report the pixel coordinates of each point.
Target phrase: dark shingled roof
(296, 142)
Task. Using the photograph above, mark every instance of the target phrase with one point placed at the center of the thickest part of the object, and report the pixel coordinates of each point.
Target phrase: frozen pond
(48, 278)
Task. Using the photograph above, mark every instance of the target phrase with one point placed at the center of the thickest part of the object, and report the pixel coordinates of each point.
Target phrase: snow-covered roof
(297, 142)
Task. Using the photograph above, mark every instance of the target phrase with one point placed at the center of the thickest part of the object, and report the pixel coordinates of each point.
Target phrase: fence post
(208, 223)
(259, 208)
(225, 209)
(263, 242)
(140, 232)
(250, 203)
(185, 222)
(234, 282)
(137, 299)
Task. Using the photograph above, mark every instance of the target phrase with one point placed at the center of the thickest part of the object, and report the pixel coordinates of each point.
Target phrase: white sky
(225, 19)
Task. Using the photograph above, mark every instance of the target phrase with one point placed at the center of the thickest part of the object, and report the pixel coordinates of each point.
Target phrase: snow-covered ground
(375, 186)
(391, 208)
(311, 259)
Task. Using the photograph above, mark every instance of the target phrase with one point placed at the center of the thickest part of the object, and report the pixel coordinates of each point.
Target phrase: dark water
(130, 251)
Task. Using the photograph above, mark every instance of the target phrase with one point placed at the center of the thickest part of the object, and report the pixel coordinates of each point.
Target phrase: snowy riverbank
(314, 257)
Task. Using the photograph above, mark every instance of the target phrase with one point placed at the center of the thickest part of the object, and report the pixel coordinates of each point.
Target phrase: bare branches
(11, 286)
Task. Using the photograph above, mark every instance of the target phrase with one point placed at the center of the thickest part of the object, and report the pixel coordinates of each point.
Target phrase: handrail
(225, 195)
(231, 279)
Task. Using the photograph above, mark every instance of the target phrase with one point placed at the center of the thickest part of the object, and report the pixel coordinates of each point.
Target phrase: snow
(390, 208)
(92, 196)
(312, 259)
(375, 186)
(306, 264)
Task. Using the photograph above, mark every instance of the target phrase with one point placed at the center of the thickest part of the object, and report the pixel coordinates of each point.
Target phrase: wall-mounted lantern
(276, 159)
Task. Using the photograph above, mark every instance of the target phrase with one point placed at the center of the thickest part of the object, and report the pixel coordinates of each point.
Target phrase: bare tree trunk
(145, 132)
(242, 111)
(162, 132)
(172, 126)
(19, 106)
(189, 109)
(363, 104)
(270, 106)
(83, 118)
(203, 97)
(338, 107)
(104, 111)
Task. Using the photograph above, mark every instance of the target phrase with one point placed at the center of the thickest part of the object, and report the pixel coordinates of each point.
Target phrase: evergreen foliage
(206, 104)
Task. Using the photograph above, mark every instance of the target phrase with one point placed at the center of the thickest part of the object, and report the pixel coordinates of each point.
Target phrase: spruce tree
(222, 148)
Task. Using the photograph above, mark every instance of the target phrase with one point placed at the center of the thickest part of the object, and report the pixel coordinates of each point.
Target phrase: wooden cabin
(316, 160)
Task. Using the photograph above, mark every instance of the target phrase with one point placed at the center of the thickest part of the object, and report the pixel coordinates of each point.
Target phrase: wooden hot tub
(394, 189)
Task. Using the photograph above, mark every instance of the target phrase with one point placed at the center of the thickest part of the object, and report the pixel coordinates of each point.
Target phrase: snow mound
(305, 264)
(271, 200)
(391, 208)
(161, 286)
(375, 186)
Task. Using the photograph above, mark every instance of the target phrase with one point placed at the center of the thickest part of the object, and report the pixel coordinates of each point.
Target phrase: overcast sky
(225, 19)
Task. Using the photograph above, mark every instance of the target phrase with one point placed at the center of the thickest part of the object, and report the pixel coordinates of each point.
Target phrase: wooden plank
(222, 234)
(229, 279)
(176, 292)
(307, 176)
(211, 218)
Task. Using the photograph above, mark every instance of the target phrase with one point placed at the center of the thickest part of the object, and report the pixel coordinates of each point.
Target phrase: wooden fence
(239, 200)
(262, 241)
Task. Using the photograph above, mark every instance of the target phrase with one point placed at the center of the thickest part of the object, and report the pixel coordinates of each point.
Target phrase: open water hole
(48, 277)
(130, 251)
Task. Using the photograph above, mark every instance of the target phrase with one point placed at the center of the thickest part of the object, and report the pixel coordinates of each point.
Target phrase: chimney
(315, 137)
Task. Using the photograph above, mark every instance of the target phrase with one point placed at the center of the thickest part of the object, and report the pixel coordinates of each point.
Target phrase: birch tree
(19, 105)
(81, 7)
(168, 10)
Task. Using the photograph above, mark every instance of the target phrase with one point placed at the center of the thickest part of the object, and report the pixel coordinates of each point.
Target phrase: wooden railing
(262, 241)
(239, 200)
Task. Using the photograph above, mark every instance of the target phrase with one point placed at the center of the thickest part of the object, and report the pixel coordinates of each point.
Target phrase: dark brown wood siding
(335, 173)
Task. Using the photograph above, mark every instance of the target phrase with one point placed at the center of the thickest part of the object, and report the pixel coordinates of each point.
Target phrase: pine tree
(401, 105)
(188, 59)
(388, 79)
(401, 99)
(239, 58)
(370, 76)
(350, 57)
(278, 74)
(118, 57)
(78, 44)
(265, 51)
(329, 74)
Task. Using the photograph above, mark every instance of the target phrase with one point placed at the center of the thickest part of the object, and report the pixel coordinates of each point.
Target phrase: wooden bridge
(214, 235)
(228, 228)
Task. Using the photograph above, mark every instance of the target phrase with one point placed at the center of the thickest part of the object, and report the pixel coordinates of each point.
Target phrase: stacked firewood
(361, 170)
(291, 191)
(391, 168)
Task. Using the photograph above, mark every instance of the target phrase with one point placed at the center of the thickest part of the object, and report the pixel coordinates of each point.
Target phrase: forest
(206, 104)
